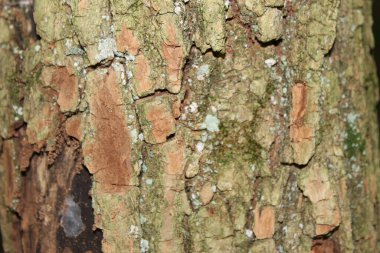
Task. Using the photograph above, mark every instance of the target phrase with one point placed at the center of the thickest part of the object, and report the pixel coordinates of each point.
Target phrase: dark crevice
(90, 240)
(187, 245)
(327, 243)
(376, 51)
(270, 43)
(33, 32)
(296, 165)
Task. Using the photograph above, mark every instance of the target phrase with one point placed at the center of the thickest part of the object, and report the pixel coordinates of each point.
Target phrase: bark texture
(188, 126)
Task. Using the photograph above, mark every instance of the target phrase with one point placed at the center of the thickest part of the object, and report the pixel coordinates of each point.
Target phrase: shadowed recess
(376, 31)
(88, 240)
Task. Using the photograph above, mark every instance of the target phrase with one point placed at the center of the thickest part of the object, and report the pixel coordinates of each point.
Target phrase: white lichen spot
(134, 230)
(143, 220)
(134, 135)
(129, 74)
(106, 48)
(273, 100)
(202, 72)
(141, 136)
(249, 233)
(149, 181)
(106, 17)
(37, 48)
(351, 118)
(226, 4)
(71, 220)
(270, 62)
(213, 188)
(211, 123)
(144, 167)
(129, 57)
(144, 245)
(177, 9)
(18, 110)
(193, 107)
(199, 147)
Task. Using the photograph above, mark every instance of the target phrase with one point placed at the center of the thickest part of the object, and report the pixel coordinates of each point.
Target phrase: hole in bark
(90, 239)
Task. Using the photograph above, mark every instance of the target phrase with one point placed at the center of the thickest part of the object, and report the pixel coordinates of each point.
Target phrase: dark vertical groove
(1, 243)
(376, 31)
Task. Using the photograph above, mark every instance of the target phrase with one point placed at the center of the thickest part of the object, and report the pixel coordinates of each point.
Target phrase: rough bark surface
(188, 126)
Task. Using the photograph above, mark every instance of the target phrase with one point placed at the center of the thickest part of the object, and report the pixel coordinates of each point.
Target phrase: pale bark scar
(264, 222)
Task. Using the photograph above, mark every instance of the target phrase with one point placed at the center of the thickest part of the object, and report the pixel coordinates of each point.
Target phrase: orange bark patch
(68, 89)
(264, 222)
(162, 122)
(126, 41)
(143, 84)
(9, 175)
(298, 130)
(156, 118)
(83, 5)
(322, 229)
(108, 151)
(26, 151)
(73, 127)
(174, 157)
(172, 52)
(206, 194)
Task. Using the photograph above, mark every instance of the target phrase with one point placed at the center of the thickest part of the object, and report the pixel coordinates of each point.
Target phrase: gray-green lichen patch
(270, 25)
(156, 52)
(92, 23)
(53, 20)
(274, 3)
(163, 202)
(8, 92)
(41, 113)
(212, 32)
(317, 36)
(115, 214)
(354, 142)
(6, 33)
(211, 123)
(257, 7)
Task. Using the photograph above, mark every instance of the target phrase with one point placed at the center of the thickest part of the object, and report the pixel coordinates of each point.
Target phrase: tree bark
(188, 126)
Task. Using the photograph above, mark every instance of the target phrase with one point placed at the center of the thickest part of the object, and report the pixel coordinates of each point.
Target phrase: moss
(354, 142)
(248, 148)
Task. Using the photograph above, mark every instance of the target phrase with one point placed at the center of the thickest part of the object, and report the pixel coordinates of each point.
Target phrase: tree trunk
(188, 126)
